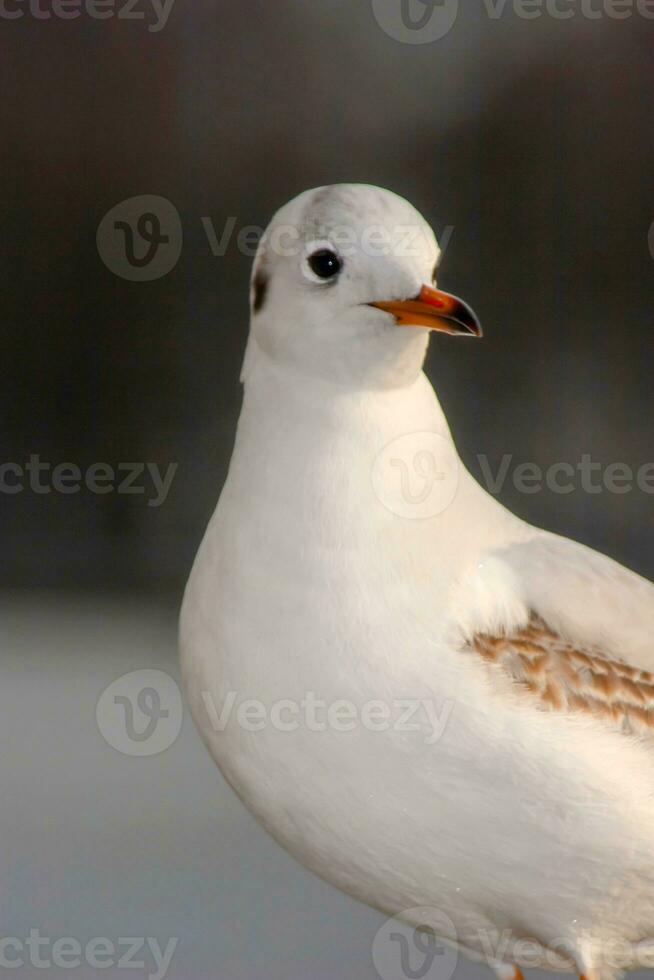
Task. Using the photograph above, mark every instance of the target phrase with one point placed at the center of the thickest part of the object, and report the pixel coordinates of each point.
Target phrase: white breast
(308, 590)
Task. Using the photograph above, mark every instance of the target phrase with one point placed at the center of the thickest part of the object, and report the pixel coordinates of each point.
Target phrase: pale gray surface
(100, 844)
(96, 843)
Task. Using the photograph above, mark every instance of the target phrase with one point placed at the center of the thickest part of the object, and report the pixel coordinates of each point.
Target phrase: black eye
(325, 264)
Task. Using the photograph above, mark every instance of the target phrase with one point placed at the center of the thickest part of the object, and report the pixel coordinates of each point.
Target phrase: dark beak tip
(470, 327)
(471, 322)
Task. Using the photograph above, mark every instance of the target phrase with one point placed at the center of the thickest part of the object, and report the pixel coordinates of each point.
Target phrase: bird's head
(343, 287)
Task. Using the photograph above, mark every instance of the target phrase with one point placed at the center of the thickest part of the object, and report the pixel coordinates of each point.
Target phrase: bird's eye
(324, 263)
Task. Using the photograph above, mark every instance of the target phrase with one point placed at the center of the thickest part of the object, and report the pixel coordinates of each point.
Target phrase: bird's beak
(435, 310)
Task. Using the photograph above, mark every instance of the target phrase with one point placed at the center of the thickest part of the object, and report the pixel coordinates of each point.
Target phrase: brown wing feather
(565, 677)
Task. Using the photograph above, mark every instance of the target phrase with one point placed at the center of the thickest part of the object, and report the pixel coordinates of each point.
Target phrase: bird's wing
(579, 632)
(571, 677)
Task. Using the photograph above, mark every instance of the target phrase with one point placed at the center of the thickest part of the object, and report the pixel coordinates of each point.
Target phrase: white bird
(430, 703)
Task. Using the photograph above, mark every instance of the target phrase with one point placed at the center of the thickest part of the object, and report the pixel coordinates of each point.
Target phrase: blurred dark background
(532, 139)
(529, 145)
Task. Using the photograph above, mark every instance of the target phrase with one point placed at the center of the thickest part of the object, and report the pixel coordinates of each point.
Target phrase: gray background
(532, 139)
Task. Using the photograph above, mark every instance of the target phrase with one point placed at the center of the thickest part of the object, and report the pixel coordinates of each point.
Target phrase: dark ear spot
(259, 290)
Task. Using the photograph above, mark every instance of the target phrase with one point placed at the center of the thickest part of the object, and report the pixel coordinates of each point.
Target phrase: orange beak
(434, 310)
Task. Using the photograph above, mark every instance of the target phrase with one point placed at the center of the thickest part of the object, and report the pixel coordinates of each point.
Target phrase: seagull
(445, 712)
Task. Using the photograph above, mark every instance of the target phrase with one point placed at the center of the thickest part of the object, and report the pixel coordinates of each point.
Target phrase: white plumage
(521, 803)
